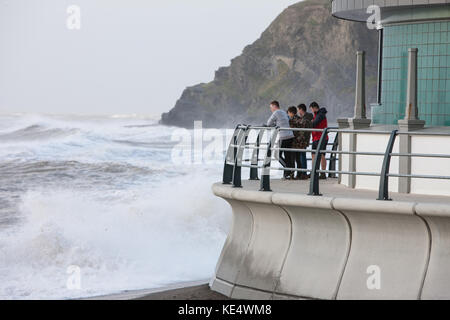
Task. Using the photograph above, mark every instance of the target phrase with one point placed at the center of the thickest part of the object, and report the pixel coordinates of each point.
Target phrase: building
(413, 91)
(404, 24)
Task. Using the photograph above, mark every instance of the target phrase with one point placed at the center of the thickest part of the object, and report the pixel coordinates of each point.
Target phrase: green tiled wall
(433, 42)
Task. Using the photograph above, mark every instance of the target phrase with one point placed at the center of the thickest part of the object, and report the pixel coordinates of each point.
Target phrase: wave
(154, 144)
(75, 169)
(17, 126)
(135, 240)
(102, 194)
(82, 139)
(36, 132)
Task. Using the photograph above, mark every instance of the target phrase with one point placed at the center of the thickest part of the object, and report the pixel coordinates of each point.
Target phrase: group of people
(298, 117)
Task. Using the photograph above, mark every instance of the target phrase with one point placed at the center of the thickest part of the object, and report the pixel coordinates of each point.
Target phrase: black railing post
(230, 157)
(333, 157)
(265, 175)
(314, 184)
(242, 140)
(255, 157)
(383, 194)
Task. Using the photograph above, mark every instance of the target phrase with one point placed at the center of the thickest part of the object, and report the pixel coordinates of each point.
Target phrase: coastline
(194, 290)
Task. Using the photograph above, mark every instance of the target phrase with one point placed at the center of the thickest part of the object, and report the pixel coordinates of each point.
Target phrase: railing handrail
(238, 144)
(338, 130)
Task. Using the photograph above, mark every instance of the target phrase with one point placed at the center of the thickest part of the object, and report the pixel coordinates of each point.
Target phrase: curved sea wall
(290, 246)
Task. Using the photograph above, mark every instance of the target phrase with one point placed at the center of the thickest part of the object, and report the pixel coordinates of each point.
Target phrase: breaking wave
(101, 193)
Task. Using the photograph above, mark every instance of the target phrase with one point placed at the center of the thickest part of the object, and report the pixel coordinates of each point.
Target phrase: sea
(96, 205)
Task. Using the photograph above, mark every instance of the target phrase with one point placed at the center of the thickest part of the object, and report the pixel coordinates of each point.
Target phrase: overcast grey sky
(130, 56)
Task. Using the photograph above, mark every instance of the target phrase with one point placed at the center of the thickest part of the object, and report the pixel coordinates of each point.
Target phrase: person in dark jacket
(319, 122)
(301, 140)
(302, 112)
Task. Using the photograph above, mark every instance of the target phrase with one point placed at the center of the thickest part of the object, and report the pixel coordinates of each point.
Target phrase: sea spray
(122, 212)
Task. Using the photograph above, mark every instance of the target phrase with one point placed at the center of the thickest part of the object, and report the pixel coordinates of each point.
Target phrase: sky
(127, 57)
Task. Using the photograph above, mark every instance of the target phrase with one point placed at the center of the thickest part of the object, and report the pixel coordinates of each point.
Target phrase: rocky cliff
(304, 55)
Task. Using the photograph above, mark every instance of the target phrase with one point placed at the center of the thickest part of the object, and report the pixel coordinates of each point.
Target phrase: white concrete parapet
(288, 246)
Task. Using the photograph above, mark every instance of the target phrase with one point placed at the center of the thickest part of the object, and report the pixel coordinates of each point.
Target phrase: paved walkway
(331, 188)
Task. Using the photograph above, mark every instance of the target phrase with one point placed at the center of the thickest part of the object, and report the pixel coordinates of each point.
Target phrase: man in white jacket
(280, 119)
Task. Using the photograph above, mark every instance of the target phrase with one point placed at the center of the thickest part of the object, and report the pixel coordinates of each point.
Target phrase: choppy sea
(99, 205)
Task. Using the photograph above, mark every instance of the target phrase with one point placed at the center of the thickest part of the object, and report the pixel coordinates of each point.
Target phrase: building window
(433, 42)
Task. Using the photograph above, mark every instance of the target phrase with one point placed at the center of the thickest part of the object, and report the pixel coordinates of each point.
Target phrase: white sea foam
(124, 230)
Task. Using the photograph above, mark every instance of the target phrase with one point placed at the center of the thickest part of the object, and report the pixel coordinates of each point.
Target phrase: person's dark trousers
(287, 158)
(300, 162)
(303, 161)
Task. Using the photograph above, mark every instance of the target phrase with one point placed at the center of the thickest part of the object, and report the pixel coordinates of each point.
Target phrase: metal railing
(234, 161)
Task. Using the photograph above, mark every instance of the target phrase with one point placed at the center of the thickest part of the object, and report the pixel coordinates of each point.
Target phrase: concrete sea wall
(290, 246)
